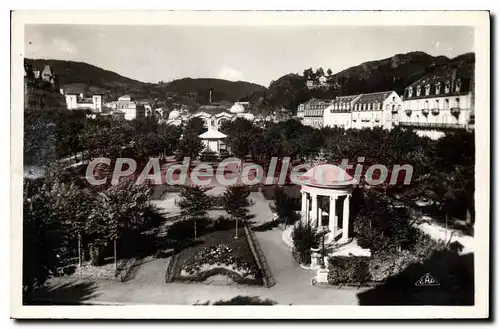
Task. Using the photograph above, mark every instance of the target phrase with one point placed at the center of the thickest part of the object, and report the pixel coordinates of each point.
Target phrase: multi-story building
(380, 109)
(41, 90)
(339, 113)
(440, 102)
(82, 97)
(372, 110)
(313, 112)
(131, 109)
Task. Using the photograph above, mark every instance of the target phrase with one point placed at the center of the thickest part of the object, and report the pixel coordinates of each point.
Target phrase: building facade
(213, 116)
(339, 113)
(131, 109)
(380, 109)
(81, 97)
(440, 102)
(313, 112)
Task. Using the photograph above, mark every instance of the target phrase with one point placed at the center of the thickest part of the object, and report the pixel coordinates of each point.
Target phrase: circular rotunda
(326, 193)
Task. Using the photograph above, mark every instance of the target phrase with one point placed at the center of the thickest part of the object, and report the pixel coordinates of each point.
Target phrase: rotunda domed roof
(327, 176)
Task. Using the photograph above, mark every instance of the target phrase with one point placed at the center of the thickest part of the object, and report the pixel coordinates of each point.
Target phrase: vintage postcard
(292, 165)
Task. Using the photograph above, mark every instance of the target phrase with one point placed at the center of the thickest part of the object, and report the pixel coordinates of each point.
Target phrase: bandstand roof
(212, 134)
(327, 176)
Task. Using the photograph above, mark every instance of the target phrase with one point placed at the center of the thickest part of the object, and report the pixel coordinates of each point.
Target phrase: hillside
(393, 73)
(78, 72)
(70, 72)
(222, 89)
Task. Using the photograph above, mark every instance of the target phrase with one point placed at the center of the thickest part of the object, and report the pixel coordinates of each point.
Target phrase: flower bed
(218, 254)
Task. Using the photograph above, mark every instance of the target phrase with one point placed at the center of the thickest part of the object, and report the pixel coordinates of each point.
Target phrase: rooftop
(82, 88)
(212, 134)
(327, 176)
(371, 98)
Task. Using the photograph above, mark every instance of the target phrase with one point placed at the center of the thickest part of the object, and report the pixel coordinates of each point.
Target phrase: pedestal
(322, 275)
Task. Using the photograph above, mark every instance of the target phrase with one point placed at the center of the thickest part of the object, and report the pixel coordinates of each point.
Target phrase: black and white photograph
(288, 164)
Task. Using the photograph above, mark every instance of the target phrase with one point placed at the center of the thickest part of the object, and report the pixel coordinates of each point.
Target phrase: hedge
(351, 271)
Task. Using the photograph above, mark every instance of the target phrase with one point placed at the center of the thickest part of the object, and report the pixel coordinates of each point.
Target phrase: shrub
(208, 156)
(304, 238)
(245, 300)
(223, 223)
(380, 227)
(285, 206)
(389, 262)
(349, 271)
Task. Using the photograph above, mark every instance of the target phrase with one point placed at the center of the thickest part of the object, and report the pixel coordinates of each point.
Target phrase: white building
(131, 109)
(212, 115)
(440, 102)
(82, 97)
(311, 112)
(339, 113)
(380, 109)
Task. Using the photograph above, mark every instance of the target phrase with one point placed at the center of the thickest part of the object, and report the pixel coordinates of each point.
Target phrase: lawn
(215, 254)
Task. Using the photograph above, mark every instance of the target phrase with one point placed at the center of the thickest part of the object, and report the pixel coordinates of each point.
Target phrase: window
(418, 91)
(438, 88)
(410, 92)
(427, 89)
(446, 104)
(437, 104)
(447, 87)
(457, 102)
(458, 85)
(426, 105)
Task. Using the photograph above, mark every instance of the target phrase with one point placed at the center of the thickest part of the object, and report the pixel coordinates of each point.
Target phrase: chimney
(210, 97)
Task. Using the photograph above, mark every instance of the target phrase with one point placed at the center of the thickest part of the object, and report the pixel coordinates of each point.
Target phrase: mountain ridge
(71, 72)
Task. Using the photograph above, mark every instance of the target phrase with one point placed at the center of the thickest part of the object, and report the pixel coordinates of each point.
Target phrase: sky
(256, 54)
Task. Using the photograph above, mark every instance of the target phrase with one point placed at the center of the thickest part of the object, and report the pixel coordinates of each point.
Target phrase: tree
(379, 227)
(236, 203)
(320, 72)
(194, 204)
(190, 146)
(286, 206)
(196, 126)
(43, 235)
(118, 213)
(308, 74)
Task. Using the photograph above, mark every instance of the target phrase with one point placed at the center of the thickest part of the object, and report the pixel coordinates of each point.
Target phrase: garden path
(293, 284)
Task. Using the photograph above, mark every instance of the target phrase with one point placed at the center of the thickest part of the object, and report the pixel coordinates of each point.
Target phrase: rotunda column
(332, 223)
(314, 210)
(345, 215)
(304, 207)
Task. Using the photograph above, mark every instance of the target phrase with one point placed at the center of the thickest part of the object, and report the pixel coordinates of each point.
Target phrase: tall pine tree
(194, 204)
(236, 203)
